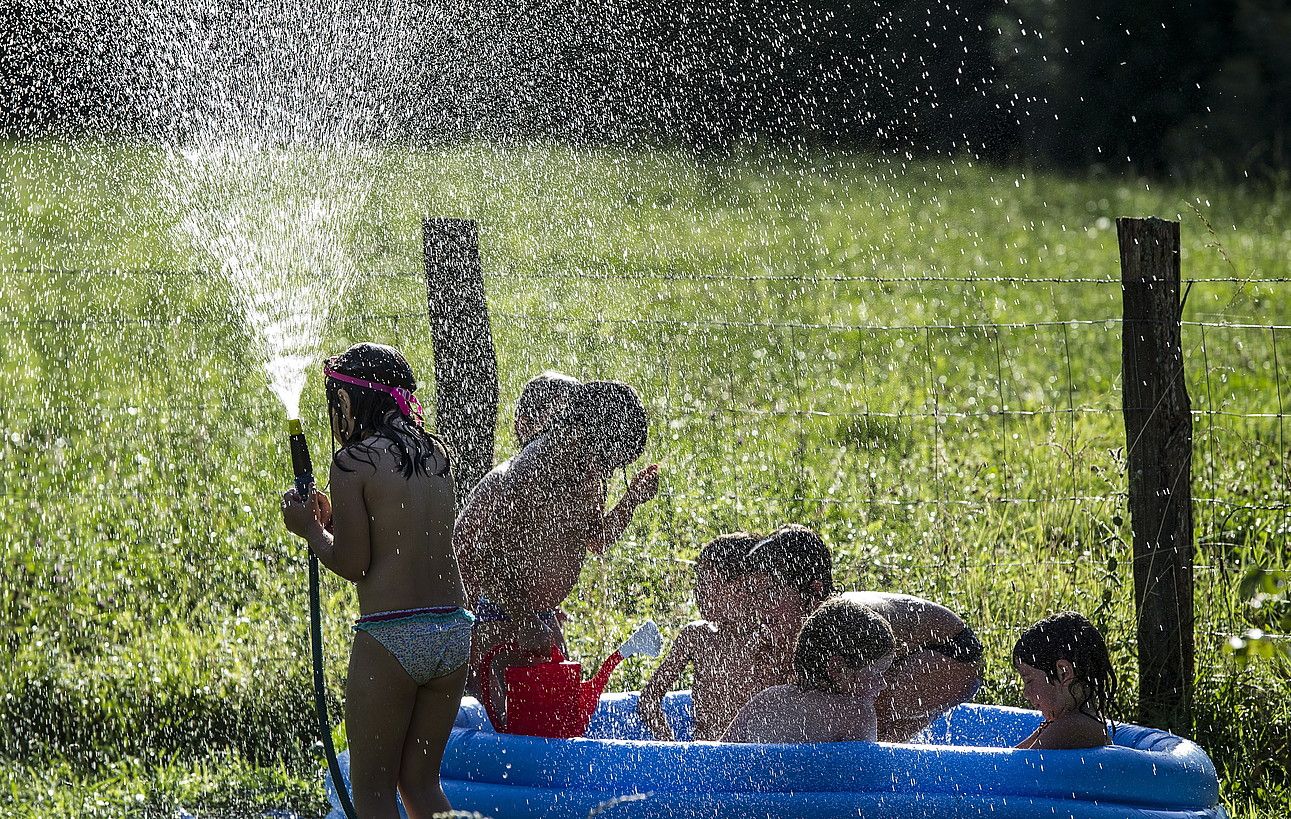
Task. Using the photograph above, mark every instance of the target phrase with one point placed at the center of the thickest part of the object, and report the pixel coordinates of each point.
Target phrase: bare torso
(529, 527)
(410, 528)
(787, 713)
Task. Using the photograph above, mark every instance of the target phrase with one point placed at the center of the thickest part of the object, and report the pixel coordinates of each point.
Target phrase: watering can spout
(646, 641)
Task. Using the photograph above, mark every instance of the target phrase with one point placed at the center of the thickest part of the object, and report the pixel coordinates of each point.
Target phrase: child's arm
(650, 705)
(349, 526)
(642, 489)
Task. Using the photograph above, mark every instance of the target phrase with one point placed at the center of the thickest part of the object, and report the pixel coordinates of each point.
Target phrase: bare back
(915, 622)
(526, 530)
(410, 530)
(787, 713)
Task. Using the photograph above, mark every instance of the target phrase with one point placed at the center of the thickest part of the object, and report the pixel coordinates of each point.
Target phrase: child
(541, 401)
(790, 574)
(938, 659)
(727, 647)
(527, 527)
(1067, 675)
(938, 663)
(391, 528)
(840, 659)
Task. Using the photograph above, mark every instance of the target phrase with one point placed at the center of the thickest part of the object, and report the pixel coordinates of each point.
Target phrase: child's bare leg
(379, 700)
(920, 687)
(423, 750)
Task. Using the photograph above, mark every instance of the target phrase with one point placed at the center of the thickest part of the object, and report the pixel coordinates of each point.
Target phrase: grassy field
(955, 439)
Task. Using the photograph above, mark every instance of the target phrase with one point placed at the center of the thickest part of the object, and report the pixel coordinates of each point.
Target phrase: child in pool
(541, 401)
(938, 662)
(1068, 676)
(790, 573)
(526, 529)
(388, 529)
(840, 658)
(727, 648)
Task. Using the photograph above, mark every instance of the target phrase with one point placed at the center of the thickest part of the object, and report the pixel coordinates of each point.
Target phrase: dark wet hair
(795, 556)
(727, 554)
(611, 416)
(1070, 636)
(377, 414)
(844, 628)
(547, 391)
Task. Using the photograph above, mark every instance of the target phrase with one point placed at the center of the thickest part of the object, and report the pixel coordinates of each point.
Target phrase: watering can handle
(484, 672)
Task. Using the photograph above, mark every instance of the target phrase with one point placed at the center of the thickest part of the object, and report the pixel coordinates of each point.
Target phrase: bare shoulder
(1071, 731)
(351, 467)
(776, 697)
(695, 635)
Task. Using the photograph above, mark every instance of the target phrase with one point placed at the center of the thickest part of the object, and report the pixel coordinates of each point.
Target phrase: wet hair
(611, 417)
(795, 556)
(376, 413)
(840, 628)
(1070, 636)
(542, 398)
(726, 554)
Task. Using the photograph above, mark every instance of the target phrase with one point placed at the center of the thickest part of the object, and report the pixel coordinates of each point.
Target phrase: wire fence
(1006, 431)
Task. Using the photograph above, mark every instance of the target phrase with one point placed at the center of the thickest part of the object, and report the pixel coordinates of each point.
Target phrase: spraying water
(273, 117)
(274, 222)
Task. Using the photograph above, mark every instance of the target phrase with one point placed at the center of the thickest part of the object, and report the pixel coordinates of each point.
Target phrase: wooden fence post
(466, 366)
(1158, 436)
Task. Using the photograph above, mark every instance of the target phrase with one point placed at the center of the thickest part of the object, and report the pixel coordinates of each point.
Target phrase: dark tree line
(1155, 84)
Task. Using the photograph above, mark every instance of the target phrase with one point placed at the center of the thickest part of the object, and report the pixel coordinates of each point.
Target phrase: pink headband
(408, 404)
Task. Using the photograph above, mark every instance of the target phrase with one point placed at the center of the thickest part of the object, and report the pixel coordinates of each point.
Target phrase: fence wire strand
(936, 407)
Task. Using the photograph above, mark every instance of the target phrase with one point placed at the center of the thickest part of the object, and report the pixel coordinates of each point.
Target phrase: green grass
(154, 607)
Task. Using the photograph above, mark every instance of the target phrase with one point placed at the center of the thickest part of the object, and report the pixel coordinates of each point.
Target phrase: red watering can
(551, 699)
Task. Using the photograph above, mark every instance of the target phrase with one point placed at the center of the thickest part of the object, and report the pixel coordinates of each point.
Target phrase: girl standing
(388, 529)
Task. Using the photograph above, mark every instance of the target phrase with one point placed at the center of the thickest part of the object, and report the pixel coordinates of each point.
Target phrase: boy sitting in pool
(541, 401)
(727, 648)
(938, 661)
(789, 574)
(842, 653)
(526, 528)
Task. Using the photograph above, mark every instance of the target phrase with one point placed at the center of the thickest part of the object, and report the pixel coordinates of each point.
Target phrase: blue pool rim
(962, 767)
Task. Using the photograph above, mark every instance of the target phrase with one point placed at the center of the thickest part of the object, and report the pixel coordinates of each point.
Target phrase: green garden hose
(304, 470)
(320, 690)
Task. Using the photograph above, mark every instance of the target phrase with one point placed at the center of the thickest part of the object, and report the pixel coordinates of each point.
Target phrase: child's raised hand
(644, 485)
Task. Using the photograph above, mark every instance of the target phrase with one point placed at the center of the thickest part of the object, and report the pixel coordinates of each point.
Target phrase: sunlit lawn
(959, 440)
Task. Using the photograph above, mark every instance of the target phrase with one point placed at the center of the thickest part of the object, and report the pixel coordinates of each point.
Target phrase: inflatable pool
(961, 767)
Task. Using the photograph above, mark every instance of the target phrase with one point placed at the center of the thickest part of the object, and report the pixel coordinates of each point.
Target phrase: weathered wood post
(466, 366)
(1158, 436)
